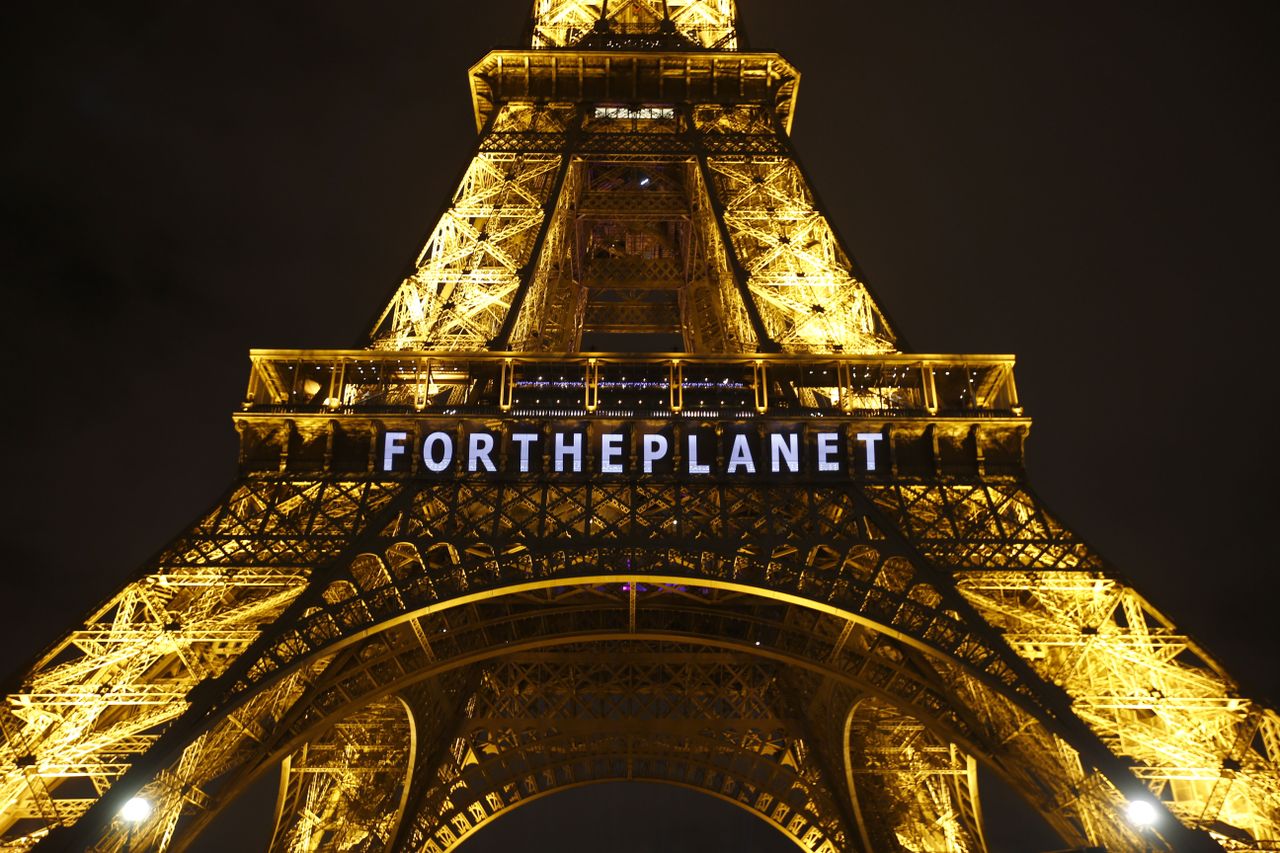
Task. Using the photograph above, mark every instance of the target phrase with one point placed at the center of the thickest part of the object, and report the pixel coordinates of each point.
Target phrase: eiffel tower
(632, 481)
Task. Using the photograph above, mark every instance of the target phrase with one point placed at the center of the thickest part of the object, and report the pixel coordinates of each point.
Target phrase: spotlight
(1141, 813)
(136, 810)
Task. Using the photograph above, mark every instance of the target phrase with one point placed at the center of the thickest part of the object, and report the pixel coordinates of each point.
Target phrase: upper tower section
(634, 189)
(635, 24)
(664, 52)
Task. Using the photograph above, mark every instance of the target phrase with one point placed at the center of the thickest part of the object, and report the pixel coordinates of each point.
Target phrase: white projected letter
(655, 448)
(524, 439)
(610, 449)
(694, 467)
(740, 456)
(827, 448)
(429, 455)
(784, 447)
(393, 446)
(479, 446)
(870, 439)
(572, 449)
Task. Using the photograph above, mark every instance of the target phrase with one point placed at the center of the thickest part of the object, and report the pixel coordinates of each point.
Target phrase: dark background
(1092, 186)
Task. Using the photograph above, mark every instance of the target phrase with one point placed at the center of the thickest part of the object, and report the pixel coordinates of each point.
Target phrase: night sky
(1091, 186)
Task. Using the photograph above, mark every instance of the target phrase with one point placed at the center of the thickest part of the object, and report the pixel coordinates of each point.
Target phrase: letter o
(429, 454)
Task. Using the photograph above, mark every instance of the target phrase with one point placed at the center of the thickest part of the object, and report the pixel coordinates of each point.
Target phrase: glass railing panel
(619, 385)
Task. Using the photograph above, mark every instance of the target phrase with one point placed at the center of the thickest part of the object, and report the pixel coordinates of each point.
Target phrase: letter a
(740, 456)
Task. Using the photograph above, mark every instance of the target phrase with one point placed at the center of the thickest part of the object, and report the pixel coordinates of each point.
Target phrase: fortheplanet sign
(623, 449)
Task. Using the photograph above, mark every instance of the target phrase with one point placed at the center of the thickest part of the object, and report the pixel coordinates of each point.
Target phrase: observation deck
(554, 76)
(942, 415)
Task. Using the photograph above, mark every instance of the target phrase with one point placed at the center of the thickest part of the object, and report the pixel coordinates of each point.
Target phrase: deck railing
(630, 385)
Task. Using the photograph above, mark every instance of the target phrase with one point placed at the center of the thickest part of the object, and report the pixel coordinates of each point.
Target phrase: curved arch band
(821, 654)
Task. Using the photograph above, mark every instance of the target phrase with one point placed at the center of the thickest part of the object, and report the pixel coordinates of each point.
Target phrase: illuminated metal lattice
(415, 653)
(704, 23)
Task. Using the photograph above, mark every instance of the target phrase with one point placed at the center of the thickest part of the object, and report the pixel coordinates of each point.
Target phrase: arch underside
(430, 586)
(346, 788)
(711, 720)
(932, 785)
(749, 729)
(825, 659)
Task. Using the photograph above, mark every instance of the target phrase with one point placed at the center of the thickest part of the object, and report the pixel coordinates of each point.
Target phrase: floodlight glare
(136, 810)
(1141, 812)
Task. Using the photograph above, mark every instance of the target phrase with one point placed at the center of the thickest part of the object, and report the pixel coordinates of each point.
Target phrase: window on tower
(642, 112)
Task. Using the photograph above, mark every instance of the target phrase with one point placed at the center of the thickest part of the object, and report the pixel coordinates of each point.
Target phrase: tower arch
(839, 663)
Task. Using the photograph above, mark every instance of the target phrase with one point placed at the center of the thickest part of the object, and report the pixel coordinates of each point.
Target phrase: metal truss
(629, 253)
(981, 525)
(1149, 692)
(100, 697)
(655, 208)
(934, 784)
(346, 789)
(819, 579)
(540, 722)
(469, 271)
(566, 615)
(701, 23)
(796, 271)
(447, 576)
(738, 238)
